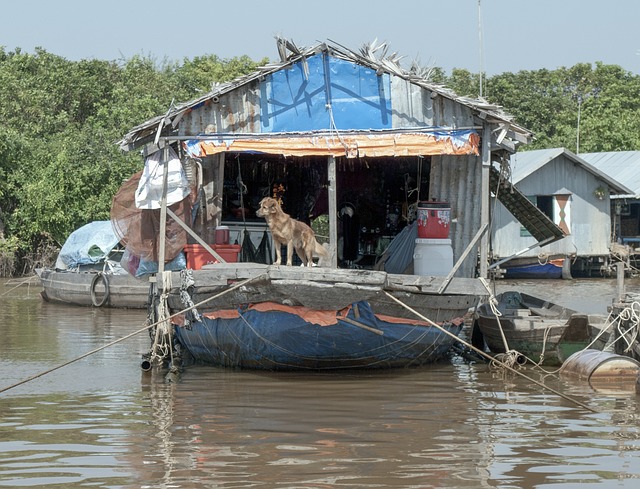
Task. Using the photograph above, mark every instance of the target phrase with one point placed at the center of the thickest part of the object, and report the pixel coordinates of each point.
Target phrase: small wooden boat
(540, 331)
(93, 288)
(88, 272)
(534, 269)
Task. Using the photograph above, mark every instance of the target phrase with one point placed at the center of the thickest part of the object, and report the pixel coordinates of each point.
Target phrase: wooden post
(333, 211)
(163, 209)
(485, 194)
(620, 281)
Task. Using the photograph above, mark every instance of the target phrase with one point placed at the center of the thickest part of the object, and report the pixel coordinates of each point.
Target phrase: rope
(162, 342)
(630, 314)
(509, 357)
(333, 128)
(489, 357)
(25, 281)
(119, 340)
(543, 258)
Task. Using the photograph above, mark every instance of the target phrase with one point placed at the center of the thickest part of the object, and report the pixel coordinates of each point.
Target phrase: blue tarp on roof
(333, 94)
(89, 244)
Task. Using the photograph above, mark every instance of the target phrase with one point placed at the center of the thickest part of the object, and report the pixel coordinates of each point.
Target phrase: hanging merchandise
(248, 251)
(264, 253)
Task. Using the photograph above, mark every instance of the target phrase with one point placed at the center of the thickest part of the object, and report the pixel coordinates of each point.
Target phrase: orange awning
(349, 145)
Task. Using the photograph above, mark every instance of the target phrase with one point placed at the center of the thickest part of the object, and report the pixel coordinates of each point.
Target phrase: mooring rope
(162, 342)
(20, 284)
(489, 357)
(630, 314)
(141, 330)
(509, 357)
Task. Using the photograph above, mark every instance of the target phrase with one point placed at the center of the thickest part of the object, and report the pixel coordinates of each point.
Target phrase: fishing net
(139, 229)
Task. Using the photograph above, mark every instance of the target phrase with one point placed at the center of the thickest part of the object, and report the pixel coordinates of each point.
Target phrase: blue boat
(549, 269)
(271, 317)
(277, 337)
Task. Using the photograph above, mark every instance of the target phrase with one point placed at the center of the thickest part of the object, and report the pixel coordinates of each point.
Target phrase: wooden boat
(93, 287)
(540, 331)
(88, 272)
(314, 318)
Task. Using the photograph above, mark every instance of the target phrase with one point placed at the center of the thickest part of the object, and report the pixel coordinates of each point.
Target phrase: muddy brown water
(101, 422)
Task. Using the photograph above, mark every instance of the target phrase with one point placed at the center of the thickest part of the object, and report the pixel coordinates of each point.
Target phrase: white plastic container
(433, 257)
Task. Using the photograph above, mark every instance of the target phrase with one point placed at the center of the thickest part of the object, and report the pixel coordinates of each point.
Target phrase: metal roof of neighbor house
(624, 166)
(525, 163)
(372, 56)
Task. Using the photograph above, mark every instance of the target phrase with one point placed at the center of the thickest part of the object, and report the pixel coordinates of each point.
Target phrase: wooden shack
(343, 134)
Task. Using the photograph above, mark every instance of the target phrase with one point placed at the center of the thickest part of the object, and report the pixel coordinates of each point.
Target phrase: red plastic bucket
(434, 219)
(222, 235)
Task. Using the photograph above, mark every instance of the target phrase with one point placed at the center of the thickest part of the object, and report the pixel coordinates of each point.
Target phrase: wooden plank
(332, 275)
(464, 255)
(363, 326)
(431, 285)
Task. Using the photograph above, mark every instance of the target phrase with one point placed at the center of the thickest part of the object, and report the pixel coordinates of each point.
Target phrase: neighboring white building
(575, 195)
(624, 166)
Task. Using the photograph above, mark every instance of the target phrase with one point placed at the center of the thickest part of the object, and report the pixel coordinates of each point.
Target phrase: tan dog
(295, 234)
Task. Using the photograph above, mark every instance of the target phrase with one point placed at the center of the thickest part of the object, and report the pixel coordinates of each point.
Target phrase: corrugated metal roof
(525, 163)
(624, 166)
(367, 56)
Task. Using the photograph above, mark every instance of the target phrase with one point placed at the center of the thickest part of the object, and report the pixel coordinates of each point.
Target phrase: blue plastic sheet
(335, 94)
(89, 244)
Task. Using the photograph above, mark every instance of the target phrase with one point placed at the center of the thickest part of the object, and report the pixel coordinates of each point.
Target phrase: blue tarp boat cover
(89, 244)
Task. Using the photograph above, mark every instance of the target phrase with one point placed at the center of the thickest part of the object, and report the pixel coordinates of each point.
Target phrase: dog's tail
(323, 252)
(320, 250)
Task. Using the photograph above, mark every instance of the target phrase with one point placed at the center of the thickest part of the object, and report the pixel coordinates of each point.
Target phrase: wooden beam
(484, 205)
(333, 211)
(473, 242)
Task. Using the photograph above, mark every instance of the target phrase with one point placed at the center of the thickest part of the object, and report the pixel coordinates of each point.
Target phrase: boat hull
(94, 289)
(322, 288)
(286, 338)
(550, 270)
(541, 331)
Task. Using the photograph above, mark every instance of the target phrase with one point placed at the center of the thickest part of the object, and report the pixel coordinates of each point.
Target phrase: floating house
(322, 129)
(357, 140)
(575, 195)
(624, 166)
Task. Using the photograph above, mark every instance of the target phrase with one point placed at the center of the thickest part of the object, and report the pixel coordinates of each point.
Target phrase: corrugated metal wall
(415, 106)
(457, 180)
(237, 111)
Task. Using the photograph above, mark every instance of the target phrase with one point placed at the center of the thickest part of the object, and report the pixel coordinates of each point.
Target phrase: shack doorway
(376, 198)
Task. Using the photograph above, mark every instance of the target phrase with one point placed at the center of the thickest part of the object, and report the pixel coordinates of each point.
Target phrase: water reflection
(101, 422)
(305, 430)
(59, 440)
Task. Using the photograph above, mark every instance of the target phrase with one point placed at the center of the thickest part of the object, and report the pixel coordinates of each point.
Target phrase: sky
(495, 36)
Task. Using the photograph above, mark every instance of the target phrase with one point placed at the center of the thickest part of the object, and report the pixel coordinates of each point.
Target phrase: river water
(101, 422)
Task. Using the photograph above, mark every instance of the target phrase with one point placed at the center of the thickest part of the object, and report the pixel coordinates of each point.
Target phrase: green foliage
(59, 162)
(606, 98)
